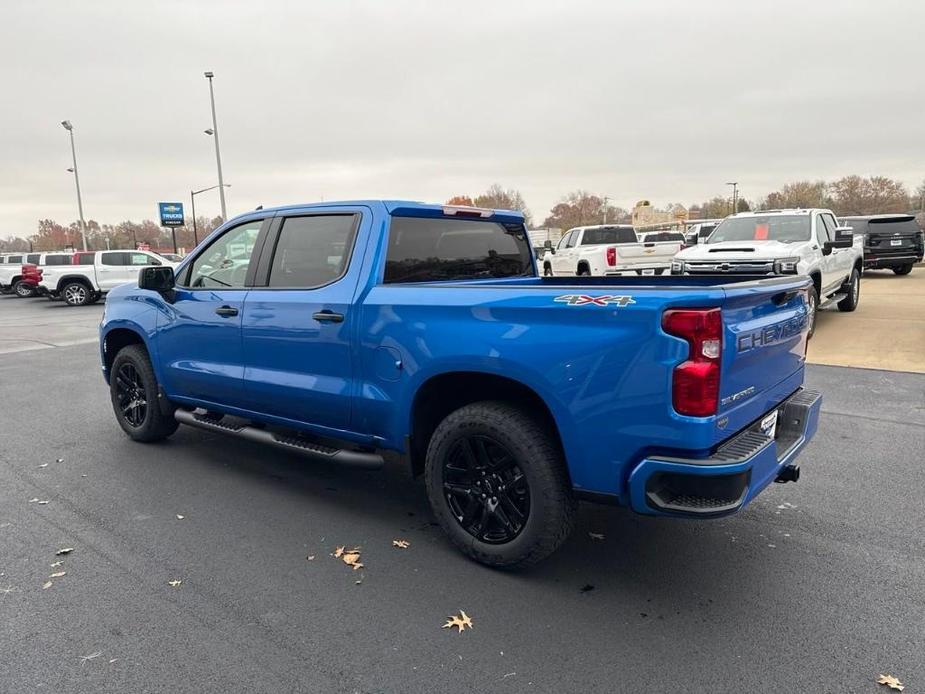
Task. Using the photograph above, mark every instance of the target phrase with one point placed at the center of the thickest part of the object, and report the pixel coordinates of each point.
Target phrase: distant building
(645, 215)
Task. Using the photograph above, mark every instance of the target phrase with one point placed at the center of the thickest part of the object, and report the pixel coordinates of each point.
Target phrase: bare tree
(580, 208)
(498, 198)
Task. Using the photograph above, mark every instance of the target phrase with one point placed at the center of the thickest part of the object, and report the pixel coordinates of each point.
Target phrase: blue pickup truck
(344, 330)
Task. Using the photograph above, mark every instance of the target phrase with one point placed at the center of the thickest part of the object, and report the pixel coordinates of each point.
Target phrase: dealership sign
(171, 214)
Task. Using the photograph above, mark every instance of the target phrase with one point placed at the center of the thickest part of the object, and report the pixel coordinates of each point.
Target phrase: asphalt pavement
(818, 586)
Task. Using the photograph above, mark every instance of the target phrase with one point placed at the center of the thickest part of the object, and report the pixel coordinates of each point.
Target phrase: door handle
(327, 316)
(226, 311)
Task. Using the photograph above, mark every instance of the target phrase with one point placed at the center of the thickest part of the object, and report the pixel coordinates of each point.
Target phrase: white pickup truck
(94, 273)
(784, 242)
(11, 272)
(608, 250)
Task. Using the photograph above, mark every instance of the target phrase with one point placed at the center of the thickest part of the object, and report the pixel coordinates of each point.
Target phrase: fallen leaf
(112, 660)
(891, 682)
(311, 557)
(179, 517)
(42, 503)
(59, 460)
(461, 621)
(401, 544)
(58, 574)
(66, 550)
(85, 658)
(175, 582)
(46, 585)
(44, 465)
(596, 536)
(57, 563)
(33, 500)
(338, 551)
(351, 557)
(356, 583)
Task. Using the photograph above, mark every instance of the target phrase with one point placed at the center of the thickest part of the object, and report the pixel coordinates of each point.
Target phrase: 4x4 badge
(585, 300)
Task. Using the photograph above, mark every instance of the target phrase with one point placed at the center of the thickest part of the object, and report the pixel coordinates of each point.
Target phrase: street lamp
(80, 206)
(213, 131)
(735, 196)
(192, 199)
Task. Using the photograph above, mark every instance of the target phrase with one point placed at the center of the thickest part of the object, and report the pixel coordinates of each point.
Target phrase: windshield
(785, 228)
(594, 237)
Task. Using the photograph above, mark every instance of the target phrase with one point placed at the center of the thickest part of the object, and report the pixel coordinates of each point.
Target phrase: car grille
(729, 267)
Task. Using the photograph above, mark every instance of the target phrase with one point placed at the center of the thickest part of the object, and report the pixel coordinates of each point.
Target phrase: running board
(295, 444)
(834, 299)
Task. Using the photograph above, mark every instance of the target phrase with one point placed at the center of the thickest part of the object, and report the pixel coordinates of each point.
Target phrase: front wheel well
(66, 280)
(817, 282)
(446, 393)
(118, 339)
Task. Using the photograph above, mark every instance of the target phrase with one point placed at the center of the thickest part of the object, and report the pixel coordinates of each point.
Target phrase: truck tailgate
(765, 332)
(648, 252)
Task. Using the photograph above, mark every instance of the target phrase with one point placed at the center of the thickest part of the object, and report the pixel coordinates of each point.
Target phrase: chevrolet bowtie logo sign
(171, 214)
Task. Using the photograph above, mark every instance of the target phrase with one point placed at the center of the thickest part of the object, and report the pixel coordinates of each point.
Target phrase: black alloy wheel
(486, 490)
(131, 394)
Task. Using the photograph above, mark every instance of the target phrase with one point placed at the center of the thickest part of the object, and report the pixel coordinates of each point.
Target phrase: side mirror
(158, 278)
(830, 246)
(844, 234)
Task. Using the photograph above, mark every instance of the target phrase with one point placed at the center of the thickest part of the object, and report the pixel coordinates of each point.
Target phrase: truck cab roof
(401, 208)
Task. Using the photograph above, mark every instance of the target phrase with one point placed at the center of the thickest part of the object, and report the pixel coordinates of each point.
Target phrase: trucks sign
(171, 214)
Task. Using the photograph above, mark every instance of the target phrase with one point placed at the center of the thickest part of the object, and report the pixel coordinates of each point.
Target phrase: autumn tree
(498, 198)
(854, 195)
(580, 208)
(463, 200)
(717, 208)
(798, 194)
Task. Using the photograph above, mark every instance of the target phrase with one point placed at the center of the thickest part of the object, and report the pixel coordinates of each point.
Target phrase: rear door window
(312, 251)
(114, 258)
(58, 259)
(426, 249)
(33, 258)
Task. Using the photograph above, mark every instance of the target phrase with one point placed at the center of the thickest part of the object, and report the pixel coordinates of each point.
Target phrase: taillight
(611, 256)
(695, 382)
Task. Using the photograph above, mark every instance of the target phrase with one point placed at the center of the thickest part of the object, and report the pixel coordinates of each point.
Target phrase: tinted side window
(224, 263)
(83, 259)
(14, 259)
(572, 239)
(33, 258)
(113, 259)
(312, 251)
(425, 249)
(57, 260)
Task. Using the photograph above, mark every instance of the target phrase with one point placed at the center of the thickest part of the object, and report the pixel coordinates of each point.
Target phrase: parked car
(354, 328)
(11, 279)
(700, 232)
(608, 250)
(784, 242)
(32, 273)
(93, 273)
(891, 241)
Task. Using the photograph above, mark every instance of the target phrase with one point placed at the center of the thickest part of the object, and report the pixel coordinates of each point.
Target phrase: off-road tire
(158, 422)
(903, 269)
(538, 455)
(813, 298)
(76, 293)
(23, 290)
(850, 302)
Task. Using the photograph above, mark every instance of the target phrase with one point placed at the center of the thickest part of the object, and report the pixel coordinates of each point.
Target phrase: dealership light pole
(735, 195)
(80, 206)
(218, 155)
(192, 199)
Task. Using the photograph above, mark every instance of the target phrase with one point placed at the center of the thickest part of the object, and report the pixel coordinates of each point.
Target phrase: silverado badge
(584, 300)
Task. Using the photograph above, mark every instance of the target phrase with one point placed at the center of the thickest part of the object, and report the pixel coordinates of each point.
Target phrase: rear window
(57, 260)
(424, 250)
(663, 236)
(785, 228)
(892, 226)
(593, 237)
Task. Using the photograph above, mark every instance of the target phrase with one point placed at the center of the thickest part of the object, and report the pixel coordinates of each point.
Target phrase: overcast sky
(665, 100)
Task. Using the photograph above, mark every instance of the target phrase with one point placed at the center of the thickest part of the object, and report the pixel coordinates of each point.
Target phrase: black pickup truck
(891, 241)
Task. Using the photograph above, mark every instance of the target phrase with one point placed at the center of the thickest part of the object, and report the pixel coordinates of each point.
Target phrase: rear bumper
(887, 261)
(734, 474)
(641, 269)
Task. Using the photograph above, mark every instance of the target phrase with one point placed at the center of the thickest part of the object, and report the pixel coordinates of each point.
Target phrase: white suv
(783, 242)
